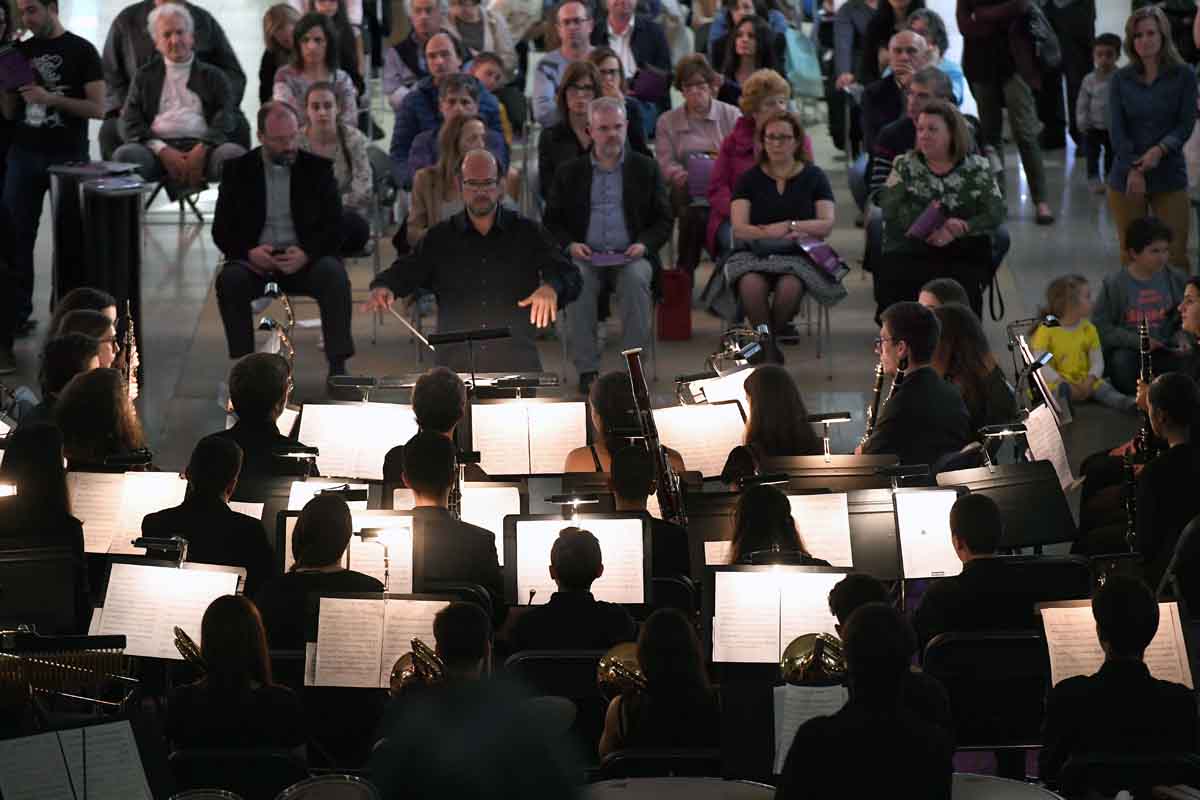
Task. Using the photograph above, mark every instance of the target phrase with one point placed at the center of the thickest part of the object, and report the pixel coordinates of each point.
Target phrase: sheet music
(403, 500)
(923, 524)
(487, 506)
(31, 768)
(405, 620)
(804, 604)
(287, 420)
(500, 432)
(144, 493)
(94, 625)
(722, 429)
(717, 553)
(367, 555)
(652, 507)
(796, 705)
(114, 766)
(1075, 648)
(1046, 443)
(620, 540)
(727, 387)
(555, 429)
(249, 509)
(349, 642)
(96, 500)
(144, 603)
(745, 617)
(353, 439)
(303, 491)
(824, 524)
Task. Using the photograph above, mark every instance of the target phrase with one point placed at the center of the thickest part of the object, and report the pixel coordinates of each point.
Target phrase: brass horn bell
(814, 659)
(419, 667)
(619, 671)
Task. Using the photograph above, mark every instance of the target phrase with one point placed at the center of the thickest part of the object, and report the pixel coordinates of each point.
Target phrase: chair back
(996, 682)
(1185, 552)
(467, 592)
(989, 787)
(253, 773)
(330, 787)
(676, 592)
(661, 763)
(1108, 774)
(570, 674)
(38, 586)
(677, 789)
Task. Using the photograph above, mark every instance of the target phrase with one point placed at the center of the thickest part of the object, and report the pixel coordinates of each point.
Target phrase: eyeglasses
(880, 340)
(481, 185)
(779, 138)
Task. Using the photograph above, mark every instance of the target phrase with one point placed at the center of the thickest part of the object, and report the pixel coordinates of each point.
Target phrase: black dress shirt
(259, 443)
(457, 551)
(572, 621)
(925, 418)
(479, 280)
(882, 103)
(1166, 501)
(267, 716)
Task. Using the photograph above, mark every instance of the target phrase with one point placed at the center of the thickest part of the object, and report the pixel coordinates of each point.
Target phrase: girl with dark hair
(678, 707)
(764, 531)
(314, 58)
(236, 703)
(733, 13)
(97, 420)
(775, 426)
(614, 417)
(97, 325)
(319, 543)
(326, 135)
(81, 298)
(889, 18)
(751, 51)
(613, 84)
(964, 358)
(349, 47)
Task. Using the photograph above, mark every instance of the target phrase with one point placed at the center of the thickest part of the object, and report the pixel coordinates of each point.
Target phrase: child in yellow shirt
(1078, 364)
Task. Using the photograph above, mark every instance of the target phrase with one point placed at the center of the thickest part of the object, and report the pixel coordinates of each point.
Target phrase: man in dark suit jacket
(573, 619)
(452, 550)
(1121, 709)
(216, 534)
(259, 385)
(278, 220)
(609, 210)
(925, 417)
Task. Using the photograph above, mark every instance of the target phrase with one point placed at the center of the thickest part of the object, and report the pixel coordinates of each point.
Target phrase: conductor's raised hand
(380, 299)
(543, 306)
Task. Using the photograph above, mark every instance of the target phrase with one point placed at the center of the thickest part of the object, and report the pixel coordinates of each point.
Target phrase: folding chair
(251, 773)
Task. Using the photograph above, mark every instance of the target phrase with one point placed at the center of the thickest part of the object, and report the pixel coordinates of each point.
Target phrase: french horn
(619, 671)
(187, 648)
(418, 667)
(814, 659)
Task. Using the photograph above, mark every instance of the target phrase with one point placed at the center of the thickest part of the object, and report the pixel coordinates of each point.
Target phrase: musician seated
(909, 756)
(259, 387)
(940, 291)
(764, 531)
(236, 703)
(925, 417)
(439, 402)
(100, 429)
(678, 706)
(63, 358)
(964, 358)
(922, 694)
(984, 596)
(1166, 496)
(632, 482)
(572, 619)
(1120, 709)
(455, 551)
(216, 534)
(39, 514)
(775, 424)
(319, 541)
(615, 422)
(462, 640)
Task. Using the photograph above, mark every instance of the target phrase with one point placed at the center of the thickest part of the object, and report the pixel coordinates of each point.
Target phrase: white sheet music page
(703, 434)
(144, 493)
(727, 387)
(1046, 443)
(535, 537)
(804, 604)
(249, 509)
(745, 617)
(367, 555)
(624, 579)
(403, 500)
(796, 705)
(287, 420)
(349, 642)
(500, 432)
(555, 429)
(487, 506)
(96, 501)
(145, 603)
(31, 768)
(303, 491)
(1167, 656)
(923, 524)
(354, 438)
(824, 524)
(114, 766)
(405, 620)
(717, 553)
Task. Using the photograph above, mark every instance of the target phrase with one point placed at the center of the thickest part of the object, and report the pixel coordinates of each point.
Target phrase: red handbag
(675, 308)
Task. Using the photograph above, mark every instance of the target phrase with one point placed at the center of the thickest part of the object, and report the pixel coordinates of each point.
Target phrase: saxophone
(873, 408)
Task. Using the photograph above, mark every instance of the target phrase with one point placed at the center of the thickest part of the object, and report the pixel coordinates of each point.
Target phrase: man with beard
(278, 220)
(489, 267)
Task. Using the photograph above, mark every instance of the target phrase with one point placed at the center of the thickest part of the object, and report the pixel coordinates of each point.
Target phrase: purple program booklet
(15, 70)
(613, 258)
(930, 220)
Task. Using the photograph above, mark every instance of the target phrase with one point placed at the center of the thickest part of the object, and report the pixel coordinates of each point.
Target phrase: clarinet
(1144, 442)
(454, 503)
(1128, 467)
(129, 344)
(873, 408)
(669, 491)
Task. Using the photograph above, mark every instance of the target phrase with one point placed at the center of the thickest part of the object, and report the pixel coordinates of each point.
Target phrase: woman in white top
(326, 135)
(314, 58)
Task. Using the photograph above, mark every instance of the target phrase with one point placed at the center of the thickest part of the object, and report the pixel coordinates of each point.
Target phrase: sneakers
(8, 361)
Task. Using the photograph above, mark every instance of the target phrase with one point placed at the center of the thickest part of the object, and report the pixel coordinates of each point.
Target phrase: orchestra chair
(677, 591)
(1185, 552)
(253, 773)
(659, 763)
(997, 683)
(570, 674)
(677, 789)
(466, 592)
(969, 457)
(1106, 774)
(1046, 579)
(38, 586)
(205, 794)
(988, 787)
(330, 787)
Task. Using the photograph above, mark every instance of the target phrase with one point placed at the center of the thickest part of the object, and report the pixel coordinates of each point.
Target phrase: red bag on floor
(675, 309)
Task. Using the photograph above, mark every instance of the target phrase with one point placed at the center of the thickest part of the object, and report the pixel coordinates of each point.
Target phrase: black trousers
(900, 276)
(355, 232)
(1096, 141)
(1075, 27)
(324, 279)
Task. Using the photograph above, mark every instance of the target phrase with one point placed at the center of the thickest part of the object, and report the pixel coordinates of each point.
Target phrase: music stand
(825, 420)
(873, 536)
(1031, 500)
(837, 474)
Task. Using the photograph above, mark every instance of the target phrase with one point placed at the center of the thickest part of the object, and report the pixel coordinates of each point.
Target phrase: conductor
(486, 265)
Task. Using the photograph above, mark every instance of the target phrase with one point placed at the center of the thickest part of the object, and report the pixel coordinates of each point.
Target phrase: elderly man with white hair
(179, 116)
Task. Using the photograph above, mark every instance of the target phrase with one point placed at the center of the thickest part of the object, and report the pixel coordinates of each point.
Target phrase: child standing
(1091, 108)
(1075, 373)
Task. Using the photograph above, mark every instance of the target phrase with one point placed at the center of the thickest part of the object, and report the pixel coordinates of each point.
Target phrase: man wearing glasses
(924, 418)
(574, 24)
(489, 267)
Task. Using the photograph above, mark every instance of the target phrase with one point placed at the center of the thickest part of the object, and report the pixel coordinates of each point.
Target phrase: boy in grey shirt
(1091, 108)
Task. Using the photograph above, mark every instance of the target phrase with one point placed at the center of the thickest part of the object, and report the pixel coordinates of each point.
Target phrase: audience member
(940, 291)
(883, 102)
(1091, 109)
(62, 359)
(293, 245)
(236, 704)
(97, 421)
(179, 118)
(289, 602)
(726, 24)
(686, 133)
(886, 22)
(641, 46)
(609, 211)
(613, 84)
(764, 531)
(964, 358)
(614, 422)
(571, 619)
(1074, 26)
(776, 424)
(259, 387)
(435, 195)
(574, 23)
(326, 135)
(279, 28)
(924, 418)
(349, 47)
(900, 135)
(632, 482)
(315, 60)
(458, 96)
(929, 25)
(488, 69)
(215, 533)
(485, 265)
(404, 63)
(482, 30)
(850, 24)
(678, 708)
(50, 127)
(752, 50)
(910, 756)
(1157, 717)
(462, 636)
